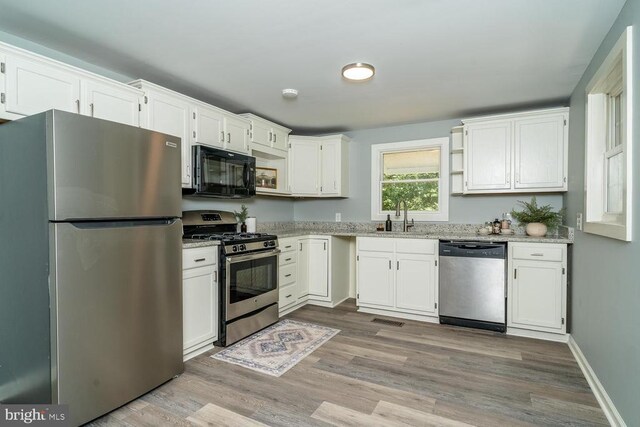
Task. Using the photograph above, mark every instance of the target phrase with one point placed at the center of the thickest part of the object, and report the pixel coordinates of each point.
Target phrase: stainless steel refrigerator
(90, 262)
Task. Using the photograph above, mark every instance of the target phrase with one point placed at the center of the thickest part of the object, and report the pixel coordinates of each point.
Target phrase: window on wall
(414, 172)
(608, 166)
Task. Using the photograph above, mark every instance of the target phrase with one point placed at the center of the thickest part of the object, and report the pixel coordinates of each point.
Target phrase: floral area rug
(278, 348)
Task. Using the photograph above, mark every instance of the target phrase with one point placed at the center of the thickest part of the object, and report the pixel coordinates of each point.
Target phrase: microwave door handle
(245, 175)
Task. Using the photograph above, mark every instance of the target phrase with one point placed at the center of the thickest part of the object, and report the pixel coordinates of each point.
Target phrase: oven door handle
(232, 259)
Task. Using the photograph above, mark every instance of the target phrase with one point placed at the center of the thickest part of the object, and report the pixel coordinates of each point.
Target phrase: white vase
(536, 229)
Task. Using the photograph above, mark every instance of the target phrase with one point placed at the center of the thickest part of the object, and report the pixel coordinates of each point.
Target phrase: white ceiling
(435, 59)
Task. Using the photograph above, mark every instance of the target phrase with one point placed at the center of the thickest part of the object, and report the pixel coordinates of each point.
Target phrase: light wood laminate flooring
(372, 374)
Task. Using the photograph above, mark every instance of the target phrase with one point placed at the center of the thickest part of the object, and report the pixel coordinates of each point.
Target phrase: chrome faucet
(405, 222)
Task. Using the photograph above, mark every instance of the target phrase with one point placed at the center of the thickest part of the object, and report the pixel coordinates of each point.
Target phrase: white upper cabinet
(34, 85)
(236, 131)
(540, 152)
(488, 156)
(304, 160)
(516, 153)
(208, 126)
(280, 138)
(111, 101)
(319, 165)
(168, 112)
(265, 134)
(31, 84)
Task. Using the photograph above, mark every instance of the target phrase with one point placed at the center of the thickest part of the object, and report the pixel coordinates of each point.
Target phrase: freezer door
(116, 312)
(104, 170)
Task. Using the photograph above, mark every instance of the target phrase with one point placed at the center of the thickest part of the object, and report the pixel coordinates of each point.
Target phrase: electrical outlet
(338, 217)
(579, 221)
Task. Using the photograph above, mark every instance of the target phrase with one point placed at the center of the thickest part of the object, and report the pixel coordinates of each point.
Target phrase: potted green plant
(537, 219)
(242, 217)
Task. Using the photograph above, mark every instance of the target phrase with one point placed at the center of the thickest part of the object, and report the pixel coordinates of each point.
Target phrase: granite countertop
(421, 231)
(420, 235)
(193, 243)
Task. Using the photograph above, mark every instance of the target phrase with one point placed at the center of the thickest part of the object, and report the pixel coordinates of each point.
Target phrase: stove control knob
(243, 247)
(272, 243)
(234, 248)
(265, 244)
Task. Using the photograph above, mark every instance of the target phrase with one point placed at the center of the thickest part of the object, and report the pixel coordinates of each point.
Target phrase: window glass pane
(420, 196)
(617, 140)
(419, 164)
(614, 184)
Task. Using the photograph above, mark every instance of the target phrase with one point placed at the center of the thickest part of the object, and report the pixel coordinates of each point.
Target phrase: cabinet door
(416, 283)
(536, 296)
(237, 134)
(280, 139)
(318, 266)
(303, 268)
(487, 154)
(539, 152)
(208, 127)
(261, 133)
(35, 86)
(304, 158)
(200, 307)
(111, 102)
(170, 115)
(330, 172)
(375, 278)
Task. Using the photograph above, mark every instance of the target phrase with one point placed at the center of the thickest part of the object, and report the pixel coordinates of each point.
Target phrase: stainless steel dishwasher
(473, 284)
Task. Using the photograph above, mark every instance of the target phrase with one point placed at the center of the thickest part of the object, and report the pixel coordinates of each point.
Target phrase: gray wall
(263, 208)
(59, 56)
(462, 209)
(606, 279)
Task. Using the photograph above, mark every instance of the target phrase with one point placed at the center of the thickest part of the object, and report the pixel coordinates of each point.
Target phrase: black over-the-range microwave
(223, 174)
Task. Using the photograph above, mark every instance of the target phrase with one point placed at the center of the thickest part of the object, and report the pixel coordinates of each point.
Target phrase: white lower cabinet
(321, 271)
(199, 300)
(290, 291)
(537, 290)
(397, 277)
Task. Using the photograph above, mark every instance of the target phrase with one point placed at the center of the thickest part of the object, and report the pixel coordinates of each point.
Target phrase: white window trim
(597, 221)
(443, 189)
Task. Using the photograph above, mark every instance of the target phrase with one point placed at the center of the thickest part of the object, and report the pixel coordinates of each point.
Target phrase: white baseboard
(398, 314)
(609, 409)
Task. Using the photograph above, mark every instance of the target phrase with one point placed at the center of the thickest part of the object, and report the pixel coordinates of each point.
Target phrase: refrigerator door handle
(89, 225)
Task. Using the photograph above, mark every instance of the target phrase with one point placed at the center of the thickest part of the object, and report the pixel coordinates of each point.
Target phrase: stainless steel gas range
(248, 273)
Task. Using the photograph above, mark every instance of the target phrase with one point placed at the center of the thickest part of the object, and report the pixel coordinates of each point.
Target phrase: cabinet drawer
(287, 245)
(539, 253)
(287, 274)
(287, 295)
(375, 244)
(416, 246)
(287, 258)
(198, 257)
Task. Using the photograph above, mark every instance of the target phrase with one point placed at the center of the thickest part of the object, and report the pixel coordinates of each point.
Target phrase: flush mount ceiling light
(358, 71)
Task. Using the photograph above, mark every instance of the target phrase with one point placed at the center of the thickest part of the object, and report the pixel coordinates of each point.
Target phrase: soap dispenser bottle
(388, 224)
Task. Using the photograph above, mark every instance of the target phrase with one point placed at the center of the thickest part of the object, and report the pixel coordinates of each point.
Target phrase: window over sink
(415, 172)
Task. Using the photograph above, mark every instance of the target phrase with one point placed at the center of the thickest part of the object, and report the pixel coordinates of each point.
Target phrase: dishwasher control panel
(473, 249)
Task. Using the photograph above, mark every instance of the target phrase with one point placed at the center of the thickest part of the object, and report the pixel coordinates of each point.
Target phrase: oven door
(251, 282)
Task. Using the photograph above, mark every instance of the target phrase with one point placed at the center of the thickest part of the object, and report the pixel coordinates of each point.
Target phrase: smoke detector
(289, 93)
